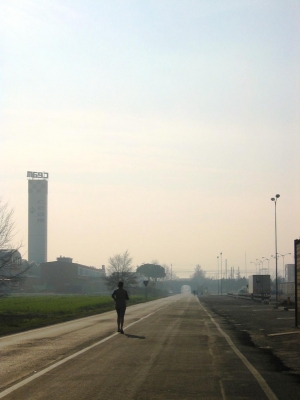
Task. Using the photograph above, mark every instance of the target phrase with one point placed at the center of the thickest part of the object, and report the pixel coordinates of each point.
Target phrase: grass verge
(18, 314)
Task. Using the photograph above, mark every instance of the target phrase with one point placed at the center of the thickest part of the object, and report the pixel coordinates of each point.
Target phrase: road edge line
(261, 381)
(31, 378)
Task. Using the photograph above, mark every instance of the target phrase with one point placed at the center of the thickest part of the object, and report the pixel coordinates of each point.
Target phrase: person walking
(120, 296)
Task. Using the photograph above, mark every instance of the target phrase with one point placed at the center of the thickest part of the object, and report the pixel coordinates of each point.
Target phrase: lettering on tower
(37, 175)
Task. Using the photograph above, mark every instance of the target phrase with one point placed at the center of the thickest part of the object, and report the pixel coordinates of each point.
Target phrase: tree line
(119, 268)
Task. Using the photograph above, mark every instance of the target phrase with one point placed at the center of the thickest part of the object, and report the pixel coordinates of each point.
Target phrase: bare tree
(170, 274)
(11, 272)
(120, 269)
(6, 224)
(199, 275)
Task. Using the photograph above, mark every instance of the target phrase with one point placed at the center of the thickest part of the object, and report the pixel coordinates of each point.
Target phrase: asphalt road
(173, 348)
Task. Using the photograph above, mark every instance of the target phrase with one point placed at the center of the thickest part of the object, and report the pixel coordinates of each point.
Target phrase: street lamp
(259, 262)
(283, 270)
(276, 254)
(272, 256)
(267, 259)
(218, 275)
(255, 263)
(274, 259)
(221, 273)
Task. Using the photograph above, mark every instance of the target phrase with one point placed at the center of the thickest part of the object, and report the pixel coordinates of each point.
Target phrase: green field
(19, 314)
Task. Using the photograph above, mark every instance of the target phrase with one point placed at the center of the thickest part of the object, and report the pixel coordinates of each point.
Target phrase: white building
(37, 216)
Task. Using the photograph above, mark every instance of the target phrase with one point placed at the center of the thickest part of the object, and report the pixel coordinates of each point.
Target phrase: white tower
(37, 216)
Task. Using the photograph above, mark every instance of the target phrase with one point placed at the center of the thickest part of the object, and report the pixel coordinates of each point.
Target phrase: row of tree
(119, 266)
(120, 269)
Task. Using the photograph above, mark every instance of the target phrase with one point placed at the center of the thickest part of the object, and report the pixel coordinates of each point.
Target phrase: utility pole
(276, 253)
(218, 277)
(171, 278)
(221, 273)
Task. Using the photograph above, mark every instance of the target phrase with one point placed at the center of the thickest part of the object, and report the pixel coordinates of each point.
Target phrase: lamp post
(273, 256)
(255, 263)
(267, 259)
(218, 275)
(283, 270)
(259, 262)
(221, 273)
(276, 254)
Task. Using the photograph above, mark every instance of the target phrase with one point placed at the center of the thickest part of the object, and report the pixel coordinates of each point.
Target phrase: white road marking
(44, 371)
(61, 324)
(263, 384)
(284, 333)
(222, 390)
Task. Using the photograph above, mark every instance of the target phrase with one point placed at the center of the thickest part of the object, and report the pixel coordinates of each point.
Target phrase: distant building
(64, 259)
(290, 272)
(10, 258)
(64, 276)
(37, 216)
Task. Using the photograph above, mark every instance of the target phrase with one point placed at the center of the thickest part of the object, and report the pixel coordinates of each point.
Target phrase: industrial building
(64, 276)
(290, 272)
(10, 270)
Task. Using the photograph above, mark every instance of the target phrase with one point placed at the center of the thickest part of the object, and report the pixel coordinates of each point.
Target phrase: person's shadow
(134, 336)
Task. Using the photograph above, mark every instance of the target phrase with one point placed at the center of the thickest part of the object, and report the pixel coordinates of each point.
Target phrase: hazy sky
(165, 126)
